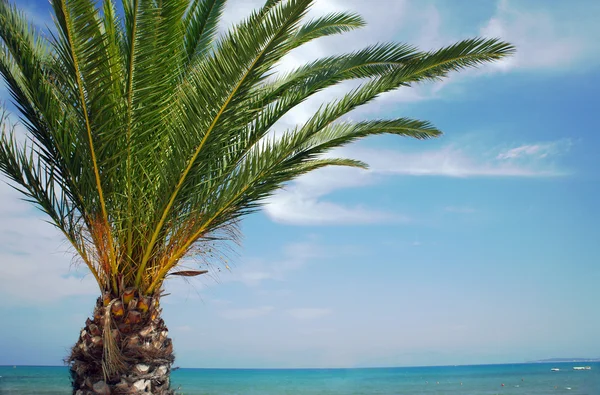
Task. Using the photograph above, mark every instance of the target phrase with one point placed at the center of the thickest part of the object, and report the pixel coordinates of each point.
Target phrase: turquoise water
(525, 379)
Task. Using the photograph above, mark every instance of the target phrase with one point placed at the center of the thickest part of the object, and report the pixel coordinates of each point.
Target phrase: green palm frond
(327, 25)
(152, 131)
(200, 24)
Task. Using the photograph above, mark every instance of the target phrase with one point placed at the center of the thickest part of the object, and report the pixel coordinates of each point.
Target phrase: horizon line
(548, 360)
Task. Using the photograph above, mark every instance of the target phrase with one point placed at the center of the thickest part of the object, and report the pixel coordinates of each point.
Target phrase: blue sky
(478, 247)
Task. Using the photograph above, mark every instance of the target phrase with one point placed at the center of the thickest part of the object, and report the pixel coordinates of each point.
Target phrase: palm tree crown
(150, 132)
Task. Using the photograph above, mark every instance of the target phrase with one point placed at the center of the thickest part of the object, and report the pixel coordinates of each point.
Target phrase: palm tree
(150, 137)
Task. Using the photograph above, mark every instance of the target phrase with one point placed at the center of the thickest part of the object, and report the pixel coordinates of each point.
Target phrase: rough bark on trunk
(123, 349)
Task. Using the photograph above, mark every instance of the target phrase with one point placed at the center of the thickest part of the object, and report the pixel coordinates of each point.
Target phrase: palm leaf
(200, 26)
(151, 135)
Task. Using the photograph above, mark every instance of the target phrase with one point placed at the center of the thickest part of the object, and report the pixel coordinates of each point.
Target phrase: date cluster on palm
(123, 349)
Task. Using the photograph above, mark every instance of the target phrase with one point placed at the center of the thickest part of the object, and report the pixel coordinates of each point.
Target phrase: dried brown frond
(112, 362)
(207, 250)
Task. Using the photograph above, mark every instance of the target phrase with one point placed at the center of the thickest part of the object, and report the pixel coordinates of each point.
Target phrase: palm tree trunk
(123, 349)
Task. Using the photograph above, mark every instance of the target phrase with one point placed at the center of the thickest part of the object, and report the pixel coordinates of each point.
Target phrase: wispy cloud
(537, 151)
(35, 261)
(418, 24)
(449, 161)
(294, 256)
(304, 201)
(246, 313)
(544, 39)
(301, 203)
(308, 313)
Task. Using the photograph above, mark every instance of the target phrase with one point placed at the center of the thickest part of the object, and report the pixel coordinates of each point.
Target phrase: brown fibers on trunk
(123, 349)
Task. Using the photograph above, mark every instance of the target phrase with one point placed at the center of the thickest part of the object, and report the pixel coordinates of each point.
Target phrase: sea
(526, 379)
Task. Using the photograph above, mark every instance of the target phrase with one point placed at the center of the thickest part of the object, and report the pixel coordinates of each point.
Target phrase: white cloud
(247, 313)
(454, 161)
(523, 150)
(294, 257)
(538, 36)
(302, 202)
(236, 11)
(544, 38)
(539, 150)
(449, 161)
(308, 313)
(385, 21)
(540, 40)
(312, 211)
(35, 261)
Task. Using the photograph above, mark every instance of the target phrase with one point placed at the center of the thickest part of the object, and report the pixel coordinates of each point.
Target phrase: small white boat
(555, 369)
(582, 368)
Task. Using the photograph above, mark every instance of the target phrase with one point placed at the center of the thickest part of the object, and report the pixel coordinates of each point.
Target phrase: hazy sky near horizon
(477, 247)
